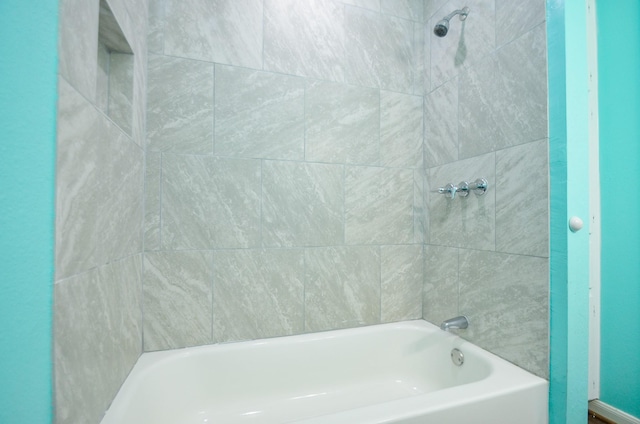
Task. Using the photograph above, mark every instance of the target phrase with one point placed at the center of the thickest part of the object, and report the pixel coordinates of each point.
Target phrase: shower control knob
(575, 224)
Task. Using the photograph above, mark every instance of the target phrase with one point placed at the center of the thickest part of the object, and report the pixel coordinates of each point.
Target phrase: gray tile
(420, 219)
(77, 197)
(221, 31)
(378, 205)
(342, 123)
(258, 114)
(152, 200)
(180, 105)
(97, 338)
(466, 43)
(121, 189)
(407, 9)
(177, 299)
(379, 50)
(304, 38)
(302, 204)
(78, 44)
(79, 328)
(102, 82)
(155, 32)
(122, 284)
(503, 100)
(401, 282)
(210, 202)
(400, 130)
(440, 284)
(366, 4)
(342, 287)
(121, 90)
(431, 7)
(508, 311)
(139, 122)
(522, 200)
(258, 293)
(463, 222)
(421, 78)
(139, 106)
(441, 125)
(517, 17)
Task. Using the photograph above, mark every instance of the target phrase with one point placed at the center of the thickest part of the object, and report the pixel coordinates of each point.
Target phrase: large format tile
(522, 200)
(77, 196)
(401, 282)
(342, 123)
(508, 311)
(408, 9)
(304, 38)
(221, 31)
(366, 4)
(258, 294)
(180, 105)
(466, 43)
(78, 44)
(400, 130)
(515, 17)
(121, 90)
(431, 7)
(441, 125)
(440, 294)
(210, 202)
(258, 114)
(152, 200)
(420, 218)
(342, 287)
(379, 50)
(155, 28)
(463, 222)
(79, 326)
(302, 204)
(98, 337)
(503, 100)
(177, 299)
(378, 205)
(120, 187)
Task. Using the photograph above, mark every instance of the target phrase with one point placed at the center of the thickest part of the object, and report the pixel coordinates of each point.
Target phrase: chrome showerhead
(442, 27)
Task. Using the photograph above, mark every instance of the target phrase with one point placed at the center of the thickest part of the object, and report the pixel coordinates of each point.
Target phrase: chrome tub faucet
(460, 323)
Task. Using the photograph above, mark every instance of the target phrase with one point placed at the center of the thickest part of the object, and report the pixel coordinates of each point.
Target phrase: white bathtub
(390, 373)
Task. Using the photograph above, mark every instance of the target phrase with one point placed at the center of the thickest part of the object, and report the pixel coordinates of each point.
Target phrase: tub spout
(460, 322)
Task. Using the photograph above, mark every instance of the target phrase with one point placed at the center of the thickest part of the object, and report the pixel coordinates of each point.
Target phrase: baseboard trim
(611, 413)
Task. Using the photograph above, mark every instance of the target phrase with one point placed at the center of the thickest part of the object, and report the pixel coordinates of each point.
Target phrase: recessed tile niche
(114, 94)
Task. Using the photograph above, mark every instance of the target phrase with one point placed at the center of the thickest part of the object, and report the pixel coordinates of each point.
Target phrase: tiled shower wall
(284, 168)
(486, 116)
(99, 213)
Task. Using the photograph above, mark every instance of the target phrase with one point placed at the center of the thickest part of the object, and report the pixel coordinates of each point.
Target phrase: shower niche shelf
(114, 91)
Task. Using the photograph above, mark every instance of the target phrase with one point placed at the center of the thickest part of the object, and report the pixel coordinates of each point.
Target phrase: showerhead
(442, 27)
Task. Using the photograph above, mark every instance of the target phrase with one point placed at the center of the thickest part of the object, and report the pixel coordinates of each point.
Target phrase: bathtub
(389, 373)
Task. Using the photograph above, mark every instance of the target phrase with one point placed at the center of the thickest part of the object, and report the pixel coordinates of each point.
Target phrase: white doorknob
(575, 224)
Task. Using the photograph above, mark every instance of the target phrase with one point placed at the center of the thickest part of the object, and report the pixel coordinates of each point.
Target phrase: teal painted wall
(568, 158)
(619, 98)
(28, 74)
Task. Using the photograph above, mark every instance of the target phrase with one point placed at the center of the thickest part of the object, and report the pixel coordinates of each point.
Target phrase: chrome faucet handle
(463, 189)
(479, 186)
(449, 190)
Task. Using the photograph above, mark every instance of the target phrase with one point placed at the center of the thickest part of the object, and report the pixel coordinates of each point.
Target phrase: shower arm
(462, 12)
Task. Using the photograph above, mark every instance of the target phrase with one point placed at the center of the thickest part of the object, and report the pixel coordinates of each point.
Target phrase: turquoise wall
(568, 159)
(619, 97)
(28, 69)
